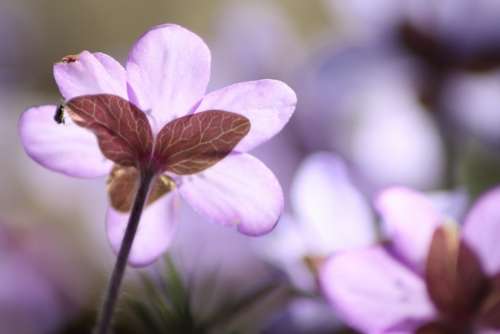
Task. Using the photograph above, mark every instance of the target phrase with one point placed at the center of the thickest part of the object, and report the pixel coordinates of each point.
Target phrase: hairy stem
(108, 306)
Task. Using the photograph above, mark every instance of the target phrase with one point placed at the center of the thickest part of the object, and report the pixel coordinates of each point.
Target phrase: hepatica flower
(429, 279)
(152, 129)
(329, 214)
(152, 116)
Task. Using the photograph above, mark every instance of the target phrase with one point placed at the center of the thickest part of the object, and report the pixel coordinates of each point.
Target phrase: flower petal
(168, 71)
(409, 221)
(373, 292)
(333, 213)
(286, 249)
(240, 191)
(481, 230)
(64, 148)
(154, 234)
(268, 104)
(90, 73)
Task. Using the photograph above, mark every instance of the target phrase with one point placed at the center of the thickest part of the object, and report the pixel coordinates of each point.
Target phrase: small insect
(59, 115)
(70, 59)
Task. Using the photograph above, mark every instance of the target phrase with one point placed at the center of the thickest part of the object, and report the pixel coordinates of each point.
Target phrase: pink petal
(268, 104)
(239, 191)
(409, 220)
(168, 71)
(373, 292)
(286, 248)
(64, 148)
(333, 213)
(91, 73)
(154, 234)
(482, 229)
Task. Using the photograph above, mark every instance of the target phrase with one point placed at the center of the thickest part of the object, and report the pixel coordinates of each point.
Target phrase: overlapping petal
(482, 228)
(374, 292)
(90, 73)
(332, 211)
(154, 234)
(268, 104)
(286, 248)
(409, 221)
(168, 71)
(64, 148)
(240, 191)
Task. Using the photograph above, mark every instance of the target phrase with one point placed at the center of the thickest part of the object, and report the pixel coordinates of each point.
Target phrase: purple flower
(470, 101)
(329, 214)
(367, 19)
(161, 118)
(264, 48)
(428, 279)
(467, 27)
(363, 102)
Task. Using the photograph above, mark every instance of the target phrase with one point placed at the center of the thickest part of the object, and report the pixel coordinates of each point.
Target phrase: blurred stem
(108, 306)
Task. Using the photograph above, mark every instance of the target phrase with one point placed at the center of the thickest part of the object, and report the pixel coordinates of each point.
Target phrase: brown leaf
(441, 268)
(123, 131)
(472, 282)
(490, 311)
(454, 278)
(195, 142)
(123, 183)
(435, 328)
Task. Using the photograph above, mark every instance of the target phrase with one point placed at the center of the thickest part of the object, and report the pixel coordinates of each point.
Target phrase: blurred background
(403, 92)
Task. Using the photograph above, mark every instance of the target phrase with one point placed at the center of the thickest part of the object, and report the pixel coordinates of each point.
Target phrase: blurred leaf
(232, 308)
(80, 325)
(479, 169)
(166, 305)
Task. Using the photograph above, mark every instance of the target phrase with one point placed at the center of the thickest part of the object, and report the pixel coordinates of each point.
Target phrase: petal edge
(268, 104)
(243, 192)
(64, 148)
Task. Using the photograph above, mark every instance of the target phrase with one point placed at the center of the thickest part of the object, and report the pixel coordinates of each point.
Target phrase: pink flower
(330, 214)
(153, 115)
(428, 279)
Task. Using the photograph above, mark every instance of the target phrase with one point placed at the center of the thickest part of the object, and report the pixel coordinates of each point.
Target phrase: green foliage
(479, 170)
(166, 305)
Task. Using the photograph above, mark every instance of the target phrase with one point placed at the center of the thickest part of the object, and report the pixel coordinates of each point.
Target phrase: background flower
(410, 275)
(329, 214)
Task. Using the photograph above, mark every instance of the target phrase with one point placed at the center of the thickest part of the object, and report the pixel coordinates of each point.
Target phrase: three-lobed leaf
(186, 145)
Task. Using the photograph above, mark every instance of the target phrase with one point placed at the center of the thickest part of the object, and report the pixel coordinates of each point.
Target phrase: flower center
(187, 145)
(455, 281)
(123, 183)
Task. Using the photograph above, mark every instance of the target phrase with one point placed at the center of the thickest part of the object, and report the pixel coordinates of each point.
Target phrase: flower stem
(108, 306)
